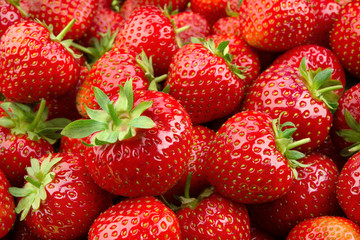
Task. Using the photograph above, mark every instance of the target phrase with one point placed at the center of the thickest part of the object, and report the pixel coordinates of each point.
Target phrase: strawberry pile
(179, 119)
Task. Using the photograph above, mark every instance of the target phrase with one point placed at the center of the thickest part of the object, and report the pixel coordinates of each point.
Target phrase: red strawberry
(138, 218)
(10, 13)
(25, 134)
(227, 25)
(251, 160)
(304, 97)
(211, 10)
(149, 29)
(348, 188)
(60, 200)
(142, 141)
(312, 194)
(179, 5)
(275, 25)
(7, 206)
(344, 37)
(337, 228)
(60, 13)
(202, 78)
(22, 232)
(31, 71)
(214, 217)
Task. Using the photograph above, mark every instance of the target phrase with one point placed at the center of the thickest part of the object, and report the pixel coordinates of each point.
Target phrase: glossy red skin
(103, 19)
(316, 57)
(113, 69)
(149, 29)
(312, 194)
(65, 10)
(244, 56)
(350, 101)
(73, 202)
(204, 84)
(176, 4)
(226, 25)
(338, 228)
(212, 10)
(138, 218)
(244, 164)
(9, 15)
(348, 188)
(199, 27)
(275, 25)
(75, 146)
(344, 37)
(151, 162)
(7, 206)
(16, 152)
(280, 89)
(203, 138)
(215, 217)
(29, 70)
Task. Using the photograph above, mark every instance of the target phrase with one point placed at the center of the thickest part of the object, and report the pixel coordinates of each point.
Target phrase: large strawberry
(59, 199)
(202, 78)
(275, 25)
(252, 160)
(142, 141)
(35, 64)
(7, 206)
(305, 98)
(137, 218)
(312, 194)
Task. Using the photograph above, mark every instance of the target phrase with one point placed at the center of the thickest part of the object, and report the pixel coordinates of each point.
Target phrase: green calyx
(320, 85)
(222, 50)
(351, 135)
(147, 66)
(114, 121)
(22, 119)
(230, 12)
(34, 192)
(285, 143)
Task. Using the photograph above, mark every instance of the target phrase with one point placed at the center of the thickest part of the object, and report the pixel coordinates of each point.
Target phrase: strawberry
(22, 232)
(211, 10)
(60, 13)
(178, 5)
(137, 218)
(347, 188)
(344, 37)
(227, 25)
(29, 70)
(305, 98)
(213, 217)
(25, 134)
(7, 206)
(251, 160)
(59, 200)
(202, 78)
(149, 29)
(312, 194)
(142, 141)
(275, 25)
(326, 227)
(10, 13)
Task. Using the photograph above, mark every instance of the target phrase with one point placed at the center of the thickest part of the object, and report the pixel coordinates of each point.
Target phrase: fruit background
(179, 119)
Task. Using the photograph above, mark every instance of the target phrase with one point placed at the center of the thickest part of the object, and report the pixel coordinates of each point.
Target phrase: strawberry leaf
(83, 128)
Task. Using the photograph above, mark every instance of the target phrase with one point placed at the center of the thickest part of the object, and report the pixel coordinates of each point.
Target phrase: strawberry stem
(38, 116)
(16, 3)
(64, 31)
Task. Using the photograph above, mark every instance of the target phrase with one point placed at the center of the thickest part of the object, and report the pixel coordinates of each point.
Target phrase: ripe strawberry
(251, 160)
(7, 206)
(275, 25)
(137, 218)
(10, 13)
(337, 228)
(348, 187)
(179, 5)
(214, 217)
(59, 200)
(344, 37)
(312, 194)
(211, 10)
(60, 13)
(149, 29)
(227, 25)
(29, 70)
(25, 134)
(202, 78)
(304, 97)
(142, 141)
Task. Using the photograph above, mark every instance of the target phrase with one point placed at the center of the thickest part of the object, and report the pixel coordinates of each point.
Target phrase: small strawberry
(337, 228)
(178, 5)
(7, 206)
(227, 25)
(137, 218)
(59, 199)
(251, 160)
(275, 25)
(211, 10)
